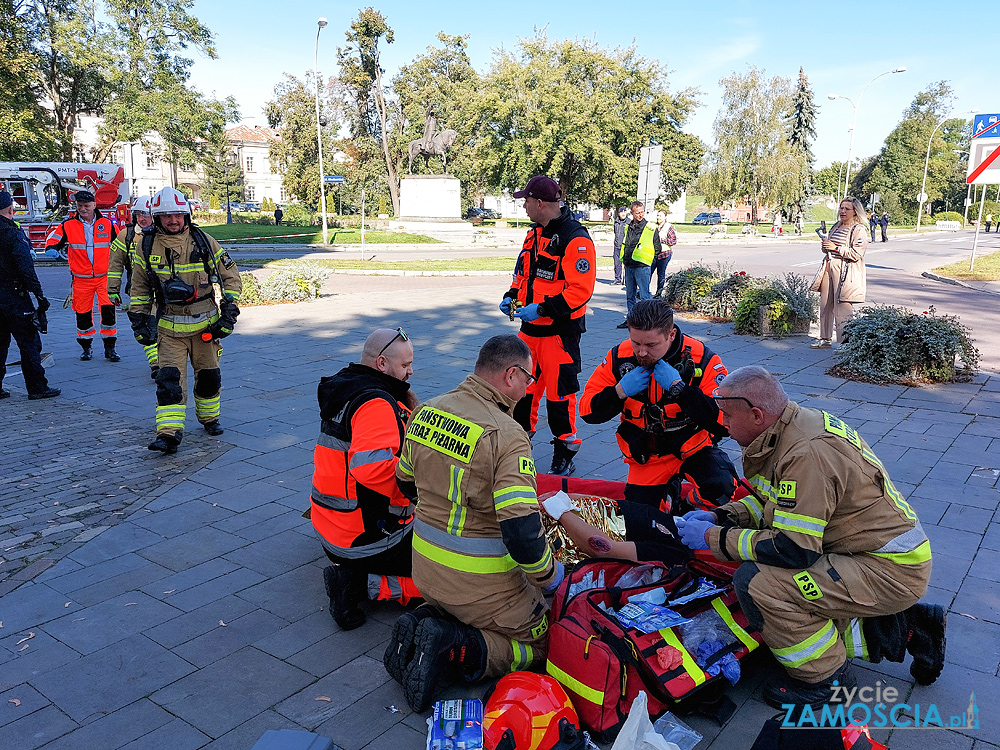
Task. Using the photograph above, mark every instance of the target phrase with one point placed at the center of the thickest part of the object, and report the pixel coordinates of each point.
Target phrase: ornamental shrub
(786, 302)
(298, 216)
(685, 289)
(723, 297)
(886, 344)
(251, 290)
(948, 216)
(746, 319)
(300, 281)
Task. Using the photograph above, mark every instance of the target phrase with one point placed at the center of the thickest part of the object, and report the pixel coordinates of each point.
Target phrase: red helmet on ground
(528, 711)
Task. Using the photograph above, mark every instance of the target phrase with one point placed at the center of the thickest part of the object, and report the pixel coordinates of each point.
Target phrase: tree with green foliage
(825, 180)
(580, 114)
(896, 173)
(753, 159)
(219, 163)
(801, 134)
(369, 112)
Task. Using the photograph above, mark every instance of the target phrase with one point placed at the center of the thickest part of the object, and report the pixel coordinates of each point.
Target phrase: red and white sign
(984, 155)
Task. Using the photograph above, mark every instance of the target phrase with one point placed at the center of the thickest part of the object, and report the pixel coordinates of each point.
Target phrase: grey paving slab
(130, 580)
(974, 644)
(356, 725)
(210, 591)
(192, 548)
(229, 636)
(183, 492)
(291, 519)
(979, 598)
(42, 654)
(339, 648)
(344, 686)
(118, 728)
(259, 515)
(948, 572)
(953, 542)
(183, 628)
(951, 693)
(36, 729)
(247, 496)
(962, 494)
(967, 519)
(292, 595)
(189, 578)
(177, 735)
(116, 542)
(178, 519)
(278, 554)
(245, 735)
(91, 629)
(254, 682)
(31, 605)
(111, 678)
(297, 636)
(18, 702)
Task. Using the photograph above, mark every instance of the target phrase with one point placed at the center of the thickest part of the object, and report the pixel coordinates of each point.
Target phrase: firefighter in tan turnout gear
(835, 558)
(176, 266)
(480, 557)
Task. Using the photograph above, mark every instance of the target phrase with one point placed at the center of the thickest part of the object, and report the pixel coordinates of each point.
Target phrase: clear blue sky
(841, 46)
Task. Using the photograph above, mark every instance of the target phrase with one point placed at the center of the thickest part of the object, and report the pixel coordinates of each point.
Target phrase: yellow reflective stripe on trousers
(589, 694)
(811, 648)
(171, 415)
(914, 557)
(799, 523)
(207, 408)
(151, 353)
(688, 662)
(745, 638)
(854, 640)
(513, 495)
(523, 656)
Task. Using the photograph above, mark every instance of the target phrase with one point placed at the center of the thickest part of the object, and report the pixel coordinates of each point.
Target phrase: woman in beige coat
(843, 281)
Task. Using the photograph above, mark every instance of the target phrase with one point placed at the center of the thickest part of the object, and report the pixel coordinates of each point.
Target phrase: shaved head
(388, 350)
(375, 342)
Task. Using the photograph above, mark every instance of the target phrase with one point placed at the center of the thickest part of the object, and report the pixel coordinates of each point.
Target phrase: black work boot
(925, 641)
(88, 349)
(399, 652)
(445, 653)
(214, 428)
(562, 458)
(109, 350)
(346, 589)
(49, 392)
(787, 690)
(165, 444)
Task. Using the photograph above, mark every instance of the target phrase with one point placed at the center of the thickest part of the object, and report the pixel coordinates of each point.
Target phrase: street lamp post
(320, 24)
(922, 198)
(854, 122)
(226, 163)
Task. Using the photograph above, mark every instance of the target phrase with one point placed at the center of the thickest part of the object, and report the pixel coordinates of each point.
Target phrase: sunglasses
(400, 334)
(531, 378)
(717, 397)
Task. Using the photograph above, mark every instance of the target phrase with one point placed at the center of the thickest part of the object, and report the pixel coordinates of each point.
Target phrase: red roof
(256, 134)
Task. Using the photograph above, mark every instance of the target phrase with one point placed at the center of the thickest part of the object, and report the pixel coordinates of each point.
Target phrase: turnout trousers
(84, 290)
(841, 607)
(171, 382)
(556, 369)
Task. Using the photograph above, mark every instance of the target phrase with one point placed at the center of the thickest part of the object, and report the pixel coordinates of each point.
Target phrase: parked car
(489, 213)
(708, 218)
(252, 206)
(472, 212)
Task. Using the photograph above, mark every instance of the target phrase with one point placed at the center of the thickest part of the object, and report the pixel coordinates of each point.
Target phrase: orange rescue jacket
(70, 233)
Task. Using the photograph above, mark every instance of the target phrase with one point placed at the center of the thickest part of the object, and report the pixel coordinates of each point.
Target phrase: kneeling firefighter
(177, 265)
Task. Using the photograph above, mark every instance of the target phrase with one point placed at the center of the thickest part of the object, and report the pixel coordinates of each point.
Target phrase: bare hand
(829, 247)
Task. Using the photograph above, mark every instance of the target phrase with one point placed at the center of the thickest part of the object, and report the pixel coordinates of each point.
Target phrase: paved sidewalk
(177, 602)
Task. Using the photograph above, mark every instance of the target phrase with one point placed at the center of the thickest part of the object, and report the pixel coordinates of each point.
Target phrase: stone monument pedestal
(430, 197)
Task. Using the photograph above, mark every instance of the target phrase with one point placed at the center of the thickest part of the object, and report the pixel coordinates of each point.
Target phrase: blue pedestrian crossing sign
(333, 179)
(986, 126)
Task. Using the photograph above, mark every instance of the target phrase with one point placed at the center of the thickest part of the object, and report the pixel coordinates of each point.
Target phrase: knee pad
(107, 315)
(168, 386)
(741, 582)
(85, 321)
(207, 382)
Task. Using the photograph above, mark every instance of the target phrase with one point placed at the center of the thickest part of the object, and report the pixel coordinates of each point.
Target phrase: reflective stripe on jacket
(644, 251)
(72, 235)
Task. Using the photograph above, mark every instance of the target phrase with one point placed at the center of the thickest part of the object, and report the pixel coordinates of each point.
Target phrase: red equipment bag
(603, 665)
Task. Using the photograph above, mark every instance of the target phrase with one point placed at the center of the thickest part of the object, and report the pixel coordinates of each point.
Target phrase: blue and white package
(646, 617)
(456, 725)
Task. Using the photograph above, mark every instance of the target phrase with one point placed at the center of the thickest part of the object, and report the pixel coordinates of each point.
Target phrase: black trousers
(19, 325)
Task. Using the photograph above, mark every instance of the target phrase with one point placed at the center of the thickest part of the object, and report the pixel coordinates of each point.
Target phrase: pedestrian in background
(873, 223)
(884, 222)
(278, 216)
(620, 221)
(668, 238)
(640, 245)
(800, 223)
(17, 279)
(989, 223)
(843, 281)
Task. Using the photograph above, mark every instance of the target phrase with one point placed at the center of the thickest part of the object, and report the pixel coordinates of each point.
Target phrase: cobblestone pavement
(196, 618)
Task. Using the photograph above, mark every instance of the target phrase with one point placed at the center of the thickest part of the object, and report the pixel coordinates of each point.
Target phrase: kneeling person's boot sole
(344, 592)
(399, 653)
(926, 624)
(444, 653)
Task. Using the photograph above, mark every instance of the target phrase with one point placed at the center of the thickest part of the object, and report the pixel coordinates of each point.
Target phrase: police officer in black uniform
(18, 317)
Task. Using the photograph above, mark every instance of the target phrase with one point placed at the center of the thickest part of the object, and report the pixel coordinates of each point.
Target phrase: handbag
(817, 281)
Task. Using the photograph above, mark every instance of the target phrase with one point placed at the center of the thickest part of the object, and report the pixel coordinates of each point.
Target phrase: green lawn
(987, 268)
(457, 264)
(312, 236)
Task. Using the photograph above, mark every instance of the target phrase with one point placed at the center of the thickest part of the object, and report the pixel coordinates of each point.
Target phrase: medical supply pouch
(603, 663)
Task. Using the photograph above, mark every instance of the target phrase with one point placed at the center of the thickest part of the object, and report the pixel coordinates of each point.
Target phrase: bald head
(751, 400)
(388, 350)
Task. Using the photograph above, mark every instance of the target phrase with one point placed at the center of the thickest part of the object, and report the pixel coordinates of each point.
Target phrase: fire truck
(44, 193)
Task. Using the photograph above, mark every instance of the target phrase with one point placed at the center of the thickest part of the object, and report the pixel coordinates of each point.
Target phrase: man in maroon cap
(553, 282)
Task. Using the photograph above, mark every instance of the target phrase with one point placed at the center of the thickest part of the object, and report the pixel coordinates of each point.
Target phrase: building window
(187, 166)
(150, 161)
(152, 190)
(281, 193)
(250, 189)
(249, 164)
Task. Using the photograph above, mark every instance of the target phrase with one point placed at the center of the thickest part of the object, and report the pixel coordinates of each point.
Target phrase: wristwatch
(676, 388)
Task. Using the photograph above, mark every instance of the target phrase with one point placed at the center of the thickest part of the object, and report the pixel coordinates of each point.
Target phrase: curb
(956, 282)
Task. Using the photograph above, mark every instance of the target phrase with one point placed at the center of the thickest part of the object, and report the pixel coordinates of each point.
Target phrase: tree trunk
(383, 125)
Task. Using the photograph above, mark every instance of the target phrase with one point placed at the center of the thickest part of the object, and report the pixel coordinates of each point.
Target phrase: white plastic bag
(638, 732)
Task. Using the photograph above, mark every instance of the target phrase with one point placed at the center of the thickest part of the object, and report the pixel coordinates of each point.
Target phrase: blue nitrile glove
(505, 305)
(636, 380)
(528, 313)
(693, 532)
(556, 579)
(701, 515)
(665, 374)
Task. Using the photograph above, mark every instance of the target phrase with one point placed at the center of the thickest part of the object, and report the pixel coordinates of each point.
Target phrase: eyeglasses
(400, 334)
(531, 378)
(717, 397)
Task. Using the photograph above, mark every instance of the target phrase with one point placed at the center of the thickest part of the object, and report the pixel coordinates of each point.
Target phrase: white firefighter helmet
(141, 205)
(170, 201)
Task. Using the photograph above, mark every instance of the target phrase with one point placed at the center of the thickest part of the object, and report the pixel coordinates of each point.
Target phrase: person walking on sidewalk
(989, 223)
(884, 223)
(668, 238)
(844, 281)
(873, 223)
(480, 557)
(178, 266)
(362, 518)
(120, 263)
(834, 560)
(639, 247)
(554, 280)
(620, 221)
(17, 280)
(87, 238)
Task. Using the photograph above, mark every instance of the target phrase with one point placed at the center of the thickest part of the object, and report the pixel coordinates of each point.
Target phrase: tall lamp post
(227, 162)
(321, 24)
(850, 149)
(922, 198)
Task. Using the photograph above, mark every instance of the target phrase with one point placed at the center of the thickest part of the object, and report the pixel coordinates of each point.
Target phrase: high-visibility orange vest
(71, 234)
